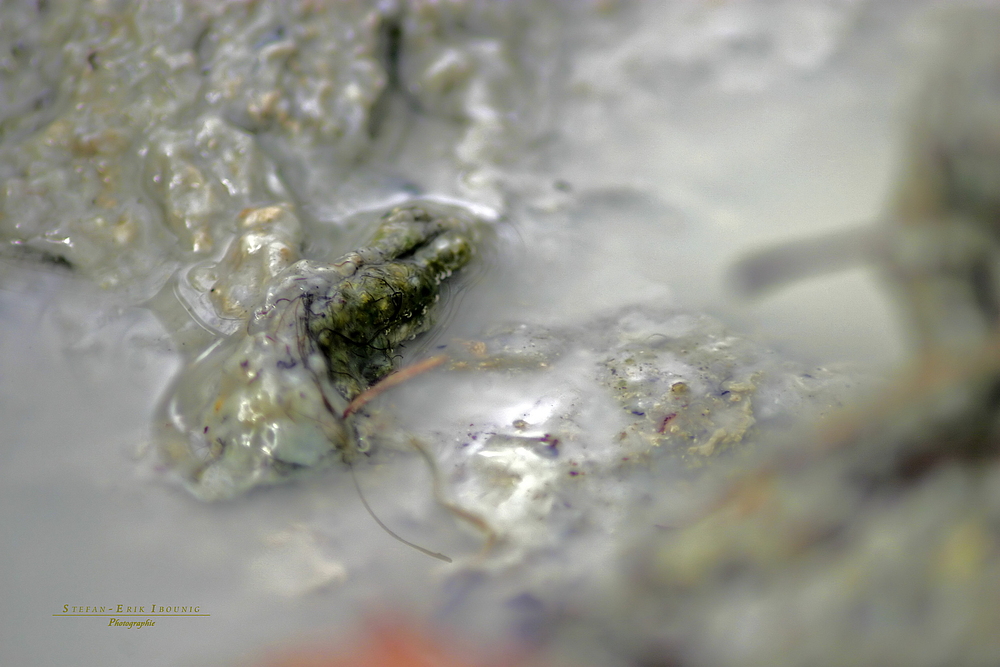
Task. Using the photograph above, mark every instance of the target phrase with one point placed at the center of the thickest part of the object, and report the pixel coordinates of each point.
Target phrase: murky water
(677, 136)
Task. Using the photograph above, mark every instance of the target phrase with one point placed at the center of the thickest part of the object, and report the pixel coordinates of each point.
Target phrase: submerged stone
(271, 400)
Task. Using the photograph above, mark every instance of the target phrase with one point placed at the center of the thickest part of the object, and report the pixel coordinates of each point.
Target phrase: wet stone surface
(231, 220)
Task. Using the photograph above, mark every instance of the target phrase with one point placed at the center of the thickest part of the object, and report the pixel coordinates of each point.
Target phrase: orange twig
(391, 380)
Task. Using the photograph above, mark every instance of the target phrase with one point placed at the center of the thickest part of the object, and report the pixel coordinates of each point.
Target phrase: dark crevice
(198, 48)
(985, 291)
(390, 40)
(29, 254)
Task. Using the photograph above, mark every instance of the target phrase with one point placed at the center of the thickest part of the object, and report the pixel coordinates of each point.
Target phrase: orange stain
(390, 644)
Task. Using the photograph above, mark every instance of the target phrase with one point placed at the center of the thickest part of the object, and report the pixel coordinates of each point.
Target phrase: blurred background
(631, 153)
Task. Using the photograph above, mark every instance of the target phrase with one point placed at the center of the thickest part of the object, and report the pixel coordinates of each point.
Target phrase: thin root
(460, 512)
(432, 554)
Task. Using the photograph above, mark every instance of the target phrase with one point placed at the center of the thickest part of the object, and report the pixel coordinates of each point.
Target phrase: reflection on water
(589, 410)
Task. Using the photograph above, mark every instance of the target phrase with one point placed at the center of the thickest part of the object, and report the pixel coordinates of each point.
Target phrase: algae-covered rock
(272, 398)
